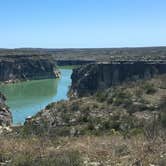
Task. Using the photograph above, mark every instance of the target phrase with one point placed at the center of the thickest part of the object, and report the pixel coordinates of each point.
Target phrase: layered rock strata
(26, 69)
(88, 79)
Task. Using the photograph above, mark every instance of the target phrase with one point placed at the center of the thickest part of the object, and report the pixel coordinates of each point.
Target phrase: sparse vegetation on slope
(122, 125)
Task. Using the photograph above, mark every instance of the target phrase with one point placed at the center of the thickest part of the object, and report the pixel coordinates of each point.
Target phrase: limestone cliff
(5, 114)
(88, 79)
(25, 69)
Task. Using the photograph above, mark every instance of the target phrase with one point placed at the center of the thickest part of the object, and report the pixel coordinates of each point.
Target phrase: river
(27, 98)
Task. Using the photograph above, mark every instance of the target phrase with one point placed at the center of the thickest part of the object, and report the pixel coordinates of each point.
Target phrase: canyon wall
(88, 79)
(5, 114)
(25, 69)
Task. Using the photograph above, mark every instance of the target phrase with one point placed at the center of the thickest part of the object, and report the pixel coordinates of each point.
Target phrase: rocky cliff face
(88, 79)
(25, 68)
(5, 114)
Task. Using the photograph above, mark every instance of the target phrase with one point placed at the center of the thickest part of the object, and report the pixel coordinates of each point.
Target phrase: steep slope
(24, 69)
(5, 114)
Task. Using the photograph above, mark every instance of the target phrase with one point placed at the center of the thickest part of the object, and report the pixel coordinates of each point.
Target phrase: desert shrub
(162, 162)
(122, 97)
(163, 119)
(106, 125)
(138, 92)
(91, 126)
(33, 128)
(49, 106)
(162, 104)
(3, 157)
(127, 123)
(163, 82)
(84, 118)
(116, 96)
(22, 159)
(95, 106)
(151, 128)
(115, 125)
(67, 159)
(60, 131)
(65, 116)
(122, 101)
(75, 106)
(136, 131)
(136, 108)
(101, 96)
(162, 107)
(149, 88)
(85, 110)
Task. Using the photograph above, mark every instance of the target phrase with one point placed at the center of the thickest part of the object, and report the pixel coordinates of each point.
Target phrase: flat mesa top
(95, 54)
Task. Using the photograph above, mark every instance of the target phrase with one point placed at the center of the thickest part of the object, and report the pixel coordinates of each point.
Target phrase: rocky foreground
(5, 114)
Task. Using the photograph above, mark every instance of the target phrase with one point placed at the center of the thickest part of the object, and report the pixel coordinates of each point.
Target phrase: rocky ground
(121, 108)
(5, 114)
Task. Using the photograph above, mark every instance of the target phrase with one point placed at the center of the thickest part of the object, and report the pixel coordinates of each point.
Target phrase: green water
(27, 98)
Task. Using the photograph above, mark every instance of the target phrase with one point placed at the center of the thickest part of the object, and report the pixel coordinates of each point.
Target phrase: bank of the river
(27, 98)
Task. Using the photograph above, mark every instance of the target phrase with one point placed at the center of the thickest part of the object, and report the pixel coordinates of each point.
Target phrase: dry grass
(101, 150)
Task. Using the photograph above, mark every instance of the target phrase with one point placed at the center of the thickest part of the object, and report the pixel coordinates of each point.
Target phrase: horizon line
(66, 48)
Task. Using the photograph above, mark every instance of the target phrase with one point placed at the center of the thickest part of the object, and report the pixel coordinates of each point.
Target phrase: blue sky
(82, 23)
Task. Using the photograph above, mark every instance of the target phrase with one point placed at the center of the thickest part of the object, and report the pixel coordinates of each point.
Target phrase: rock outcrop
(88, 79)
(5, 114)
(26, 69)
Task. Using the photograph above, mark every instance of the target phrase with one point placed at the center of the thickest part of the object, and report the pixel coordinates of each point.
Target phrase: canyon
(118, 99)
(36, 63)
